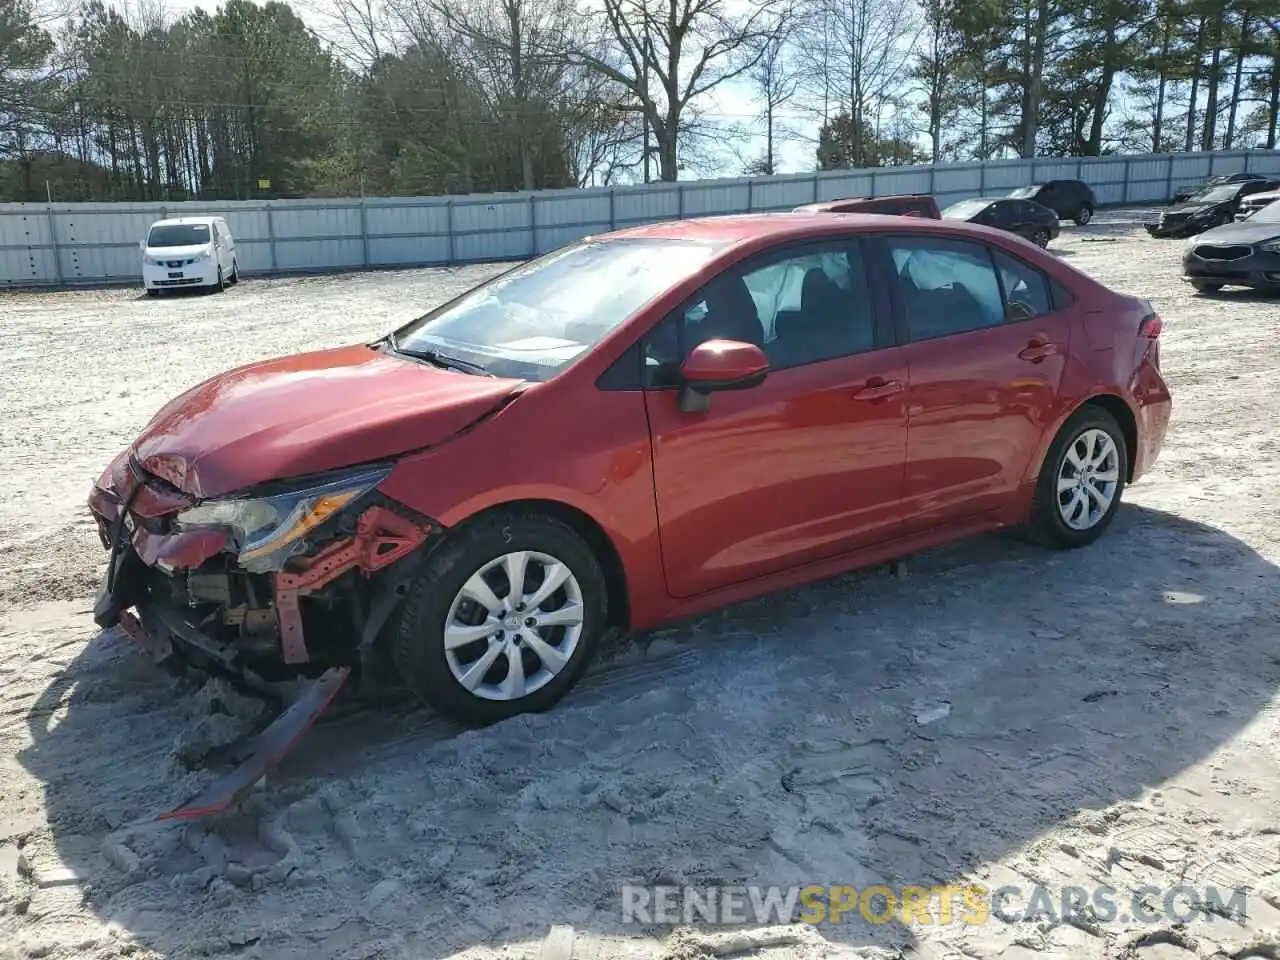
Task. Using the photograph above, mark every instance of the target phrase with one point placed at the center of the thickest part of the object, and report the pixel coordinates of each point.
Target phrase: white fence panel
(56, 244)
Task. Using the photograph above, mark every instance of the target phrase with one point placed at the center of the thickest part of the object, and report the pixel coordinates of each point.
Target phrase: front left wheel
(1040, 238)
(503, 620)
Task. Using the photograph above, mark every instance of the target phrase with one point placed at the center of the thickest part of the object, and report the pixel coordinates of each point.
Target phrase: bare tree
(775, 81)
(519, 50)
(853, 54)
(668, 53)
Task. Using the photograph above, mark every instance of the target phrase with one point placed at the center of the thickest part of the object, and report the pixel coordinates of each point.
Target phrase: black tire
(1083, 215)
(1040, 238)
(1203, 286)
(235, 272)
(153, 291)
(418, 650)
(1046, 525)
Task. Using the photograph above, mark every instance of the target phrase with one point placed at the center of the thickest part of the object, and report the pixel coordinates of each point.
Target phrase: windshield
(1218, 194)
(178, 235)
(1268, 214)
(965, 209)
(532, 322)
(1022, 193)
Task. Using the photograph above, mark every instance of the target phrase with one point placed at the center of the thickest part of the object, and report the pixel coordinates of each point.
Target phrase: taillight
(1151, 326)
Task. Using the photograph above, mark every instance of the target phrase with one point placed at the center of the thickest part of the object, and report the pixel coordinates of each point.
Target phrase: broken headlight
(264, 526)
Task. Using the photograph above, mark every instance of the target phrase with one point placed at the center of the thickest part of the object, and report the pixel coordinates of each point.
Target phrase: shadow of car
(867, 729)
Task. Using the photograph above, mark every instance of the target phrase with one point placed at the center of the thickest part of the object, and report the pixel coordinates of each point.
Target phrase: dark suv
(902, 205)
(1069, 199)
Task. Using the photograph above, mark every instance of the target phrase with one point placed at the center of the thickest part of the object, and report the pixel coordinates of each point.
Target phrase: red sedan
(634, 428)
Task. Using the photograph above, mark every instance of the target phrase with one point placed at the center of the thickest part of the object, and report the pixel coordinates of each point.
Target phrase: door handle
(878, 388)
(1038, 350)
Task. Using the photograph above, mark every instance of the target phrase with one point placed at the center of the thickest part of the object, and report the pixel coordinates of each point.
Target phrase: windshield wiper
(439, 359)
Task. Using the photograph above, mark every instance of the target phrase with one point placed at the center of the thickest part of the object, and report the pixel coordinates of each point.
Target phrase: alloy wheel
(1088, 479)
(1040, 238)
(514, 625)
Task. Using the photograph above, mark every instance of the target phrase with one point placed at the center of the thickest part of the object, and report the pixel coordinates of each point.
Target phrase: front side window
(802, 307)
(532, 322)
(945, 286)
(178, 235)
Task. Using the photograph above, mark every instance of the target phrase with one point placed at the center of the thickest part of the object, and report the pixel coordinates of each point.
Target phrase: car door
(1008, 215)
(807, 465)
(987, 337)
(219, 252)
(228, 246)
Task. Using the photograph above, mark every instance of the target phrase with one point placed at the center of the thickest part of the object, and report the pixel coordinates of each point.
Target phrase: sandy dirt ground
(998, 714)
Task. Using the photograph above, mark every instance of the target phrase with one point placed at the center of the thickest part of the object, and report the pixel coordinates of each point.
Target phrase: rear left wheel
(1040, 238)
(502, 621)
(1081, 481)
(1084, 214)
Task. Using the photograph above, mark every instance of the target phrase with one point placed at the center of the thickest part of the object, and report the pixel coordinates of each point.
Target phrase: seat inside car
(731, 314)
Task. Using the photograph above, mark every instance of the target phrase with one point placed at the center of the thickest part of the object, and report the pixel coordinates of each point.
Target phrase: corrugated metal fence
(87, 243)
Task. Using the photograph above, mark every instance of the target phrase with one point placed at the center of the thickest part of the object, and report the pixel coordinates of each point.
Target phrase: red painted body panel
(803, 476)
(792, 471)
(976, 411)
(308, 413)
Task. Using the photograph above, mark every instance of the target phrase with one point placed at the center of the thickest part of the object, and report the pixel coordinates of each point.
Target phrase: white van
(188, 252)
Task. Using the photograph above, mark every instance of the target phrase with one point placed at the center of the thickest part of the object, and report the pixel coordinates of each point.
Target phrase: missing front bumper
(172, 639)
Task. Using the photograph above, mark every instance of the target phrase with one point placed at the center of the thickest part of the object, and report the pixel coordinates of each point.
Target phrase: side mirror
(720, 365)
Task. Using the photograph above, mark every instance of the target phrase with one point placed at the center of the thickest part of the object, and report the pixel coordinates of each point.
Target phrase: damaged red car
(631, 429)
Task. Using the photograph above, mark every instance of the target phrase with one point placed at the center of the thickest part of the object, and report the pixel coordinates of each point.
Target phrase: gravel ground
(997, 715)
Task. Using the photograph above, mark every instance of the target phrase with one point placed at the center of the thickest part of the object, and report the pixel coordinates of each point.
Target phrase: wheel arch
(1124, 416)
(1113, 404)
(587, 527)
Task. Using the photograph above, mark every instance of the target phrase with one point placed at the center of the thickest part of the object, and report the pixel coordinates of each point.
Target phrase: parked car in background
(1183, 194)
(1069, 199)
(1251, 205)
(1204, 211)
(1026, 218)
(903, 205)
(1242, 254)
(188, 252)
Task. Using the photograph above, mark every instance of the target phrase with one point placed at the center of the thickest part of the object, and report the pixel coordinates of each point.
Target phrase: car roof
(739, 228)
(177, 220)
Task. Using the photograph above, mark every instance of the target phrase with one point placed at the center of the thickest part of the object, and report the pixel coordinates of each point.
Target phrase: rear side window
(1026, 289)
(945, 286)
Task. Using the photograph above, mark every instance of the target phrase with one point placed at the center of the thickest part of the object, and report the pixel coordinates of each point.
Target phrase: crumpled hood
(1188, 209)
(304, 414)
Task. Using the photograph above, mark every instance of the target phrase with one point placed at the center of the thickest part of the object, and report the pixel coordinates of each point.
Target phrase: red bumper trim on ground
(266, 750)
